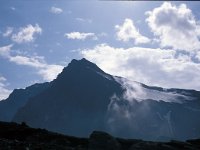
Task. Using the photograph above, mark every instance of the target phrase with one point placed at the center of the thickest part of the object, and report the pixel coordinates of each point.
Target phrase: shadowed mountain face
(18, 99)
(83, 98)
(76, 103)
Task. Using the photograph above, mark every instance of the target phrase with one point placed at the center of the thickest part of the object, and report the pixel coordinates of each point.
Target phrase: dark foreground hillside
(21, 137)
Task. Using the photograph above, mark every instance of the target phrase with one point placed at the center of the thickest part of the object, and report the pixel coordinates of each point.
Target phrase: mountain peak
(80, 68)
(82, 64)
(81, 61)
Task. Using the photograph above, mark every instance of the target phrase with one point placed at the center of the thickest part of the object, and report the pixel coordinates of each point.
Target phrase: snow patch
(109, 77)
(135, 91)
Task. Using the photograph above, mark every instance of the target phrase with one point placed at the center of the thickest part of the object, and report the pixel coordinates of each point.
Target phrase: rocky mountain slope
(83, 98)
(75, 104)
(18, 99)
(21, 137)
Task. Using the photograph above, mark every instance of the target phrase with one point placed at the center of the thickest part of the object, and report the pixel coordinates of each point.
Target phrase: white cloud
(160, 67)
(33, 61)
(134, 90)
(4, 92)
(50, 72)
(84, 20)
(27, 34)
(47, 71)
(80, 36)
(5, 51)
(175, 26)
(8, 32)
(56, 10)
(128, 31)
(2, 79)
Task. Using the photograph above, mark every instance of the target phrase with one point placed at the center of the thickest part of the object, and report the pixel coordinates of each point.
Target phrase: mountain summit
(76, 103)
(81, 69)
(84, 98)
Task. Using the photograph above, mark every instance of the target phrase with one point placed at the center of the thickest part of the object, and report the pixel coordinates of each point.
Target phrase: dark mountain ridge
(79, 100)
(18, 99)
(83, 98)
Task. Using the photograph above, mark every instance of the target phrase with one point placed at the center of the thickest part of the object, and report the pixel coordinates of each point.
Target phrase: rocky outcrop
(21, 137)
(15, 136)
(103, 141)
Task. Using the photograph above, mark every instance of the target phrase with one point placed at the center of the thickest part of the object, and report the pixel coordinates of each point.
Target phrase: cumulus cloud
(56, 10)
(4, 92)
(8, 32)
(159, 67)
(175, 26)
(27, 34)
(47, 71)
(127, 31)
(80, 36)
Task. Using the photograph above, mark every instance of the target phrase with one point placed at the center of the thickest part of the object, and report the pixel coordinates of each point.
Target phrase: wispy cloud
(175, 26)
(4, 92)
(13, 8)
(35, 61)
(135, 91)
(47, 71)
(81, 36)
(5, 51)
(127, 31)
(84, 20)
(27, 34)
(8, 32)
(56, 10)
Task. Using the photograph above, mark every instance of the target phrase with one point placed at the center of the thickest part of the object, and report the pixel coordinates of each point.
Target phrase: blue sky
(156, 43)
